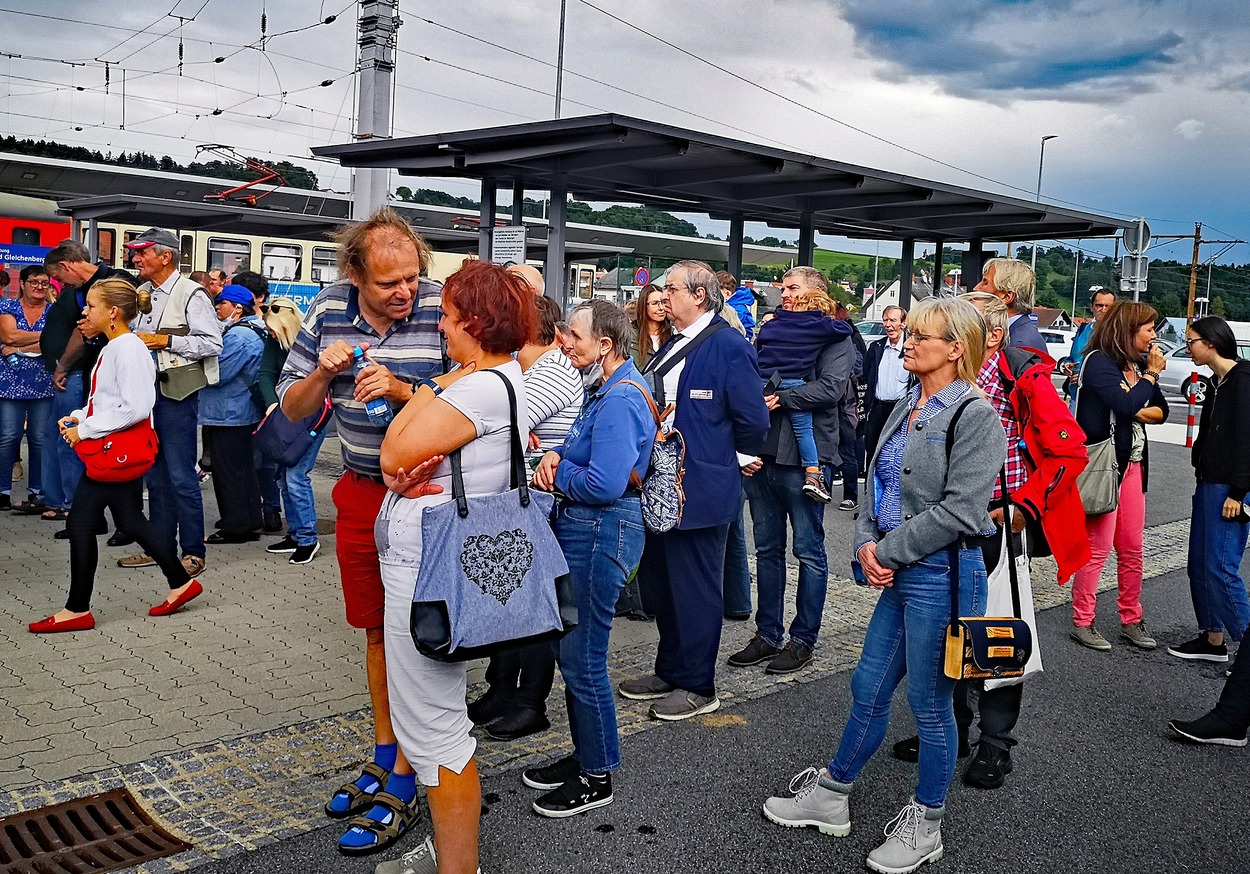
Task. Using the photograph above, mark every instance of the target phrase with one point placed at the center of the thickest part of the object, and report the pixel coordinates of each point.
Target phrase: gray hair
(993, 310)
(1012, 274)
(885, 312)
(811, 276)
(67, 250)
(699, 274)
(174, 253)
(607, 320)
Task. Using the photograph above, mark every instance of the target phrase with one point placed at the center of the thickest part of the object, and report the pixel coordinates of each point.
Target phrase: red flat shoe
(51, 625)
(166, 607)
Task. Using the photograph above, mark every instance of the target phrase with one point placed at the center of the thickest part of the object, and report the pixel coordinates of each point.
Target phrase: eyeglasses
(274, 308)
(38, 283)
(672, 289)
(917, 337)
(1190, 343)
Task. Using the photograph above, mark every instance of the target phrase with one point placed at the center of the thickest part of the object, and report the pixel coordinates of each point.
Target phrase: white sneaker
(419, 860)
(912, 838)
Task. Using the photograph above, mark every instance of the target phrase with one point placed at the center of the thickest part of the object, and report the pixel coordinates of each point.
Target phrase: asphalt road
(1098, 785)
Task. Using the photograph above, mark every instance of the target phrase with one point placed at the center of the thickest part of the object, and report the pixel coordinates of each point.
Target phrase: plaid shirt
(990, 382)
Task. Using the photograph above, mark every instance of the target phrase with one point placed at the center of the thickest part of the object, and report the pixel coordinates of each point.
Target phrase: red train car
(29, 227)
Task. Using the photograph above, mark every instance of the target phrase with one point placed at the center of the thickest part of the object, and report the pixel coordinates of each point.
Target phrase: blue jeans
(737, 588)
(16, 417)
(776, 493)
(175, 502)
(297, 495)
(905, 638)
(801, 424)
(602, 546)
(1215, 549)
(62, 468)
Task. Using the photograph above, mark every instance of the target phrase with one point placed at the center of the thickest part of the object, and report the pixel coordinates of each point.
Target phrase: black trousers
(1234, 706)
(234, 477)
(86, 512)
(522, 677)
(878, 412)
(999, 711)
(848, 422)
(684, 573)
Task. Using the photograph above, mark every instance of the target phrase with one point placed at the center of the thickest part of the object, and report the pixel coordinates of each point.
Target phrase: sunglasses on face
(274, 308)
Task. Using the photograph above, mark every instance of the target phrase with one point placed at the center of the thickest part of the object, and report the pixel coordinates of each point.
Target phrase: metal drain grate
(98, 833)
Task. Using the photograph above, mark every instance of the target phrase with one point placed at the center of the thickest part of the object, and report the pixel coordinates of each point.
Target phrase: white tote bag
(998, 603)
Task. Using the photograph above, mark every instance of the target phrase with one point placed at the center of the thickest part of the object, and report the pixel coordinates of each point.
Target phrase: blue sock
(386, 754)
(403, 787)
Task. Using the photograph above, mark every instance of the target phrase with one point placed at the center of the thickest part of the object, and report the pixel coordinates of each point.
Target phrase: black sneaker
(988, 768)
(272, 521)
(755, 652)
(305, 554)
(814, 487)
(282, 547)
(908, 750)
(578, 795)
(1200, 649)
(552, 776)
(1208, 729)
(795, 657)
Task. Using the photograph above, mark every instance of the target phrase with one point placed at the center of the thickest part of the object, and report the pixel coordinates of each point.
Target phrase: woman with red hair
(488, 314)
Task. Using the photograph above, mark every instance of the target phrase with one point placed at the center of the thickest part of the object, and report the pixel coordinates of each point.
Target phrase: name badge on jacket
(700, 394)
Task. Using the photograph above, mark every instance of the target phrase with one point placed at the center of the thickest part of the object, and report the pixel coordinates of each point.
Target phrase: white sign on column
(507, 245)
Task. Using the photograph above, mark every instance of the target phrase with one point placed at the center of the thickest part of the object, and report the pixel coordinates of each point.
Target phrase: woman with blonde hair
(1117, 396)
(282, 318)
(925, 502)
(122, 395)
(654, 328)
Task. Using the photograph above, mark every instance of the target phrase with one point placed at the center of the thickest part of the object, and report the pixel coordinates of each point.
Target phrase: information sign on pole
(507, 245)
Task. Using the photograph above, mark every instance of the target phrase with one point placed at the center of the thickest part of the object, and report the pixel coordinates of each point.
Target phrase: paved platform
(232, 719)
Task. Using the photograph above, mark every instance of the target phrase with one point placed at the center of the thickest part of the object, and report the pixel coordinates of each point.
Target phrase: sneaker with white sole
(1200, 649)
(285, 546)
(849, 504)
(305, 554)
(911, 839)
(1088, 636)
(682, 704)
(645, 688)
(551, 776)
(1209, 729)
(419, 860)
(581, 794)
(813, 800)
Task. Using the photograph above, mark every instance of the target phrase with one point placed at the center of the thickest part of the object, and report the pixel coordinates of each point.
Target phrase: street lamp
(1041, 159)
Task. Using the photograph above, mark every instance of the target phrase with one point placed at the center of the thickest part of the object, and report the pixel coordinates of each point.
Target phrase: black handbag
(987, 647)
(488, 568)
(284, 442)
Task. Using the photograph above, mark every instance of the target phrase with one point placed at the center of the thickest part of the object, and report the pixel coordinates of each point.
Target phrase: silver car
(1180, 369)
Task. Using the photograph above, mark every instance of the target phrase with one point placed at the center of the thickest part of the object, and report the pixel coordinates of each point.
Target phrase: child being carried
(788, 346)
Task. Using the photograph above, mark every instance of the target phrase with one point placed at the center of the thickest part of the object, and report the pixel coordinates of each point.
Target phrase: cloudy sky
(1148, 99)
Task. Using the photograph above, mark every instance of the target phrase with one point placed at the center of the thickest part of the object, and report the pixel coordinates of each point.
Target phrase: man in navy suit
(707, 372)
(1014, 283)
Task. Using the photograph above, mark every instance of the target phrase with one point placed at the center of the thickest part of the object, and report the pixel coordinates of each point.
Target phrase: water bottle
(379, 409)
(12, 358)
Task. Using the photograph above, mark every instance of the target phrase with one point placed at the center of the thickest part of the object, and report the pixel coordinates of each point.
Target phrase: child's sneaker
(814, 486)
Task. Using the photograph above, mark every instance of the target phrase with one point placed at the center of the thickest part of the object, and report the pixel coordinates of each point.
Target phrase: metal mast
(378, 27)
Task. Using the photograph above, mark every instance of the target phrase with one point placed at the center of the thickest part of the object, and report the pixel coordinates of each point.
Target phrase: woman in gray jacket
(921, 497)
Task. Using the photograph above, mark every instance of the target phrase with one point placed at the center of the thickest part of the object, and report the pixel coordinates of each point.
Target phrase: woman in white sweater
(123, 392)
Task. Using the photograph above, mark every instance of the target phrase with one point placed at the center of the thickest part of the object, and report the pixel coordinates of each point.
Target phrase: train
(298, 269)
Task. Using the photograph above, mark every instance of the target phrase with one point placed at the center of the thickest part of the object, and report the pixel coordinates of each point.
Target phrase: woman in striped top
(520, 680)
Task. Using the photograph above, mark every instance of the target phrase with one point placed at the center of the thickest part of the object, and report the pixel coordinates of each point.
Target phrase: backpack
(662, 496)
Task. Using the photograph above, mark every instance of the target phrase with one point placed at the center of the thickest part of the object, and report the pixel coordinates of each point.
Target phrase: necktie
(660, 353)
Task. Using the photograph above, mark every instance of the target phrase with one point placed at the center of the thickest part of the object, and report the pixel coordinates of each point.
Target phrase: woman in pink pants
(1118, 395)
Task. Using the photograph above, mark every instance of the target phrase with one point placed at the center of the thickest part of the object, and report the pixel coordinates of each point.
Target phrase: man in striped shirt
(386, 307)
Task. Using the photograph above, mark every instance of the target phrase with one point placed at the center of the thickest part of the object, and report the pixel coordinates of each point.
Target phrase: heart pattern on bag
(497, 565)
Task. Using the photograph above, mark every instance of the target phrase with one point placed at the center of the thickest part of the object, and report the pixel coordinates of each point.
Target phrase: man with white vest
(182, 332)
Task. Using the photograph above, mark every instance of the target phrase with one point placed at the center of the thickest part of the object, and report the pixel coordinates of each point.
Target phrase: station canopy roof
(615, 158)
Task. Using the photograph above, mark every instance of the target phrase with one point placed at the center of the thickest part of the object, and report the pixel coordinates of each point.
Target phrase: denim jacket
(231, 401)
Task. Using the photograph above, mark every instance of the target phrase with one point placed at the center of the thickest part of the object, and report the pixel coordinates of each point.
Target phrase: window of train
(106, 243)
(128, 256)
(325, 267)
(229, 255)
(186, 254)
(25, 236)
(281, 261)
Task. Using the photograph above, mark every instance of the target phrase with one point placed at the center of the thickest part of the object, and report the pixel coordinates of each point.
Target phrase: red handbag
(122, 456)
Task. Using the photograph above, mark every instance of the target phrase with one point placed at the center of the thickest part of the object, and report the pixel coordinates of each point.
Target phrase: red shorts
(358, 501)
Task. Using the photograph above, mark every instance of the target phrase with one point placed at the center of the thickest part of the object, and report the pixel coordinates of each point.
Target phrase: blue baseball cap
(236, 294)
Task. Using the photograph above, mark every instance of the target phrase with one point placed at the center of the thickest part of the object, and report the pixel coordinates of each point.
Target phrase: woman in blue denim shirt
(921, 498)
(599, 526)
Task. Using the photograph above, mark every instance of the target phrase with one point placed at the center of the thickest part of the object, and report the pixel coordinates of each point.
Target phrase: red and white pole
(1191, 392)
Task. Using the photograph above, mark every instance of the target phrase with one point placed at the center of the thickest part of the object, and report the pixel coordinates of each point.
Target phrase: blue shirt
(26, 379)
(230, 401)
(611, 438)
(889, 468)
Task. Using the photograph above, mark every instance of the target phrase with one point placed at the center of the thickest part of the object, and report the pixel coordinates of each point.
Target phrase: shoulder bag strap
(953, 549)
(677, 357)
(516, 461)
(635, 481)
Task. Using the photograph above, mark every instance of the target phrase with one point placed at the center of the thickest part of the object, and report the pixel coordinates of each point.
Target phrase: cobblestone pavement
(252, 700)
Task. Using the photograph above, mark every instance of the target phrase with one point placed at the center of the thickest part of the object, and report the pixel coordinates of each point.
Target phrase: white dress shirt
(891, 377)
